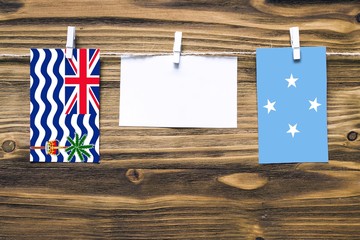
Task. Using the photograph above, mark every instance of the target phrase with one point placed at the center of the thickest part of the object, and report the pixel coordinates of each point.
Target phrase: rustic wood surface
(180, 183)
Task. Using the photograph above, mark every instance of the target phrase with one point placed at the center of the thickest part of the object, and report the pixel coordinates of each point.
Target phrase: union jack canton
(82, 78)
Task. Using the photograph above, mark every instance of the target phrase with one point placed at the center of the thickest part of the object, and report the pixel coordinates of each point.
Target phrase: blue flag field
(291, 98)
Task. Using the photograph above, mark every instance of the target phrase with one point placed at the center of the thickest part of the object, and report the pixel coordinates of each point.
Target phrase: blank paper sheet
(200, 92)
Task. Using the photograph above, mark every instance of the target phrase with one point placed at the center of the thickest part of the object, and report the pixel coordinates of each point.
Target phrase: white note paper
(200, 92)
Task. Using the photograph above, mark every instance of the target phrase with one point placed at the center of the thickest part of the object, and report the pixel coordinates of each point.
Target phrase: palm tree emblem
(78, 147)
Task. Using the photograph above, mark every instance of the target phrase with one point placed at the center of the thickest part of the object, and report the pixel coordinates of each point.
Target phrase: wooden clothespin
(70, 42)
(295, 42)
(177, 47)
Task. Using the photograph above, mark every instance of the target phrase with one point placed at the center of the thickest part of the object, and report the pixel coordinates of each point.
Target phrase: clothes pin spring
(177, 47)
(295, 42)
(70, 42)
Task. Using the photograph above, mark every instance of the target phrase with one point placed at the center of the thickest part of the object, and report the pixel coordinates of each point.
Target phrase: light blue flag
(292, 105)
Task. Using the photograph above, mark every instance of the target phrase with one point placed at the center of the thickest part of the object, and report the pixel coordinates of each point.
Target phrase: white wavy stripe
(97, 144)
(31, 131)
(37, 121)
(74, 124)
(31, 109)
(90, 134)
(50, 96)
(31, 105)
(93, 65)
(62, 141)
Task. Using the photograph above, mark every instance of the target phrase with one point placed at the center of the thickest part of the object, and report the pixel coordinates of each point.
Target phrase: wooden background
(180, 183)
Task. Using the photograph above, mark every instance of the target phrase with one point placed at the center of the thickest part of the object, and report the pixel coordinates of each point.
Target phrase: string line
(129, 54)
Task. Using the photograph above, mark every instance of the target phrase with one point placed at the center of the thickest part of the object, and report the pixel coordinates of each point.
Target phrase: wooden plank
(163, 203)
(149, 25)
(180, 183)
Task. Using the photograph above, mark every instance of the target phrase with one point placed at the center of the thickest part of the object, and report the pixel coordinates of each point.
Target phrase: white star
(291, 81)
(270, 106)
(293, 130)
(314, 104)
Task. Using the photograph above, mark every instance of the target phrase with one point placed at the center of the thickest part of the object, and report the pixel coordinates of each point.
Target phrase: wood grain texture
(166, 183)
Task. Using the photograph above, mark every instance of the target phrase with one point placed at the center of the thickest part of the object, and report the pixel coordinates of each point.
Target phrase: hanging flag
(292, 105)
(64, 105)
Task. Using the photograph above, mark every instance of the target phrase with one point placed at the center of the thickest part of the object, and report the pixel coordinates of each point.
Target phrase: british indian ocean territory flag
(64, 105)
(292, 105)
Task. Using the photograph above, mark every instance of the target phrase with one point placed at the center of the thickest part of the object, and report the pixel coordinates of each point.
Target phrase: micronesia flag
(64, 105)
(291, 98)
